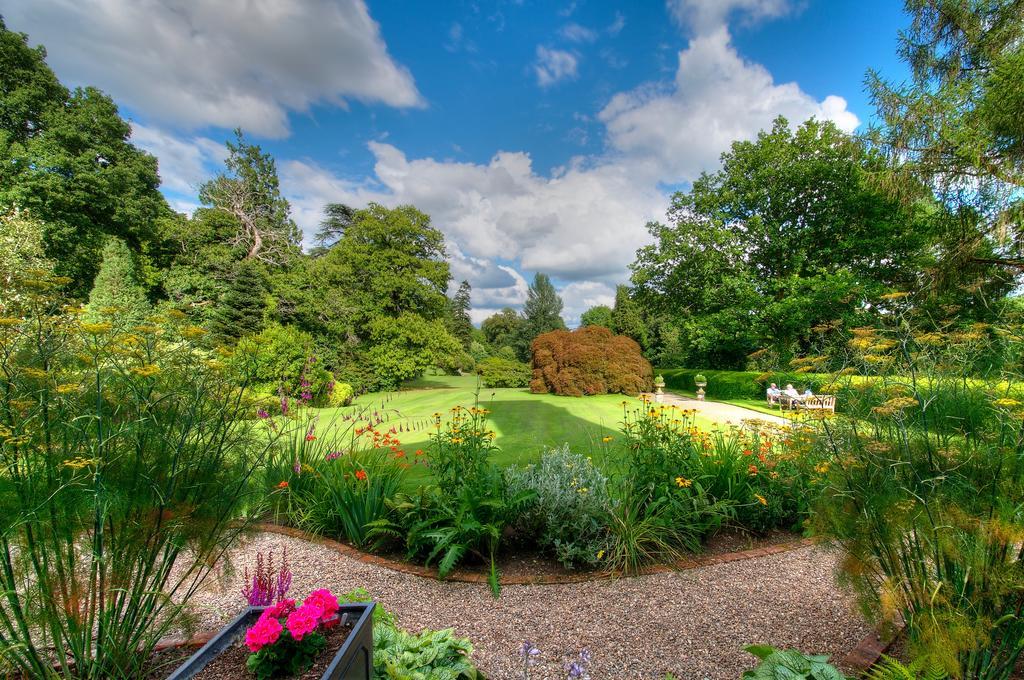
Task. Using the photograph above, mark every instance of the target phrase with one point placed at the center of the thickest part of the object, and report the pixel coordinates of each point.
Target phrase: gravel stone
(692, 623)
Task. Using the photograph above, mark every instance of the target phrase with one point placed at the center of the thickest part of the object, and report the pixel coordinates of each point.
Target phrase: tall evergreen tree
(117, 286)
(462, 325)
(240, 310)
(541, 313)
(626, 317)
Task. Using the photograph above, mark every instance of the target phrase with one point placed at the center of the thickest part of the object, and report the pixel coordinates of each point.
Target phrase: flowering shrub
(567, 513)
(460, 447)
(286, 639)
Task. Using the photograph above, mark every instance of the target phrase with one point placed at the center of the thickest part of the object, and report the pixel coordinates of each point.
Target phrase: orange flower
(419, 452)
(400, 454)
(752, 470)
(282, 485)
(747, 452)
(360, 475)
(310, 437)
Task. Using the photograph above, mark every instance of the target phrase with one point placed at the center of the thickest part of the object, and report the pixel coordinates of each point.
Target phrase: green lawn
(526, 424)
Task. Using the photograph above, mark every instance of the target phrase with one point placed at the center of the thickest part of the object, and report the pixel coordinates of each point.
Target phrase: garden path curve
(721, 412)
(693, 623)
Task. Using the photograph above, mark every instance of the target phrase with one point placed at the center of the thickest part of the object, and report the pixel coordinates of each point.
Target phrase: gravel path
(721, 412)
(693, 623)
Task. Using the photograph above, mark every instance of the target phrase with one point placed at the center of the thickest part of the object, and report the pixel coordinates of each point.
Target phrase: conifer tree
(541, 313)
(240, 311)
(117, 290)
(462, 325)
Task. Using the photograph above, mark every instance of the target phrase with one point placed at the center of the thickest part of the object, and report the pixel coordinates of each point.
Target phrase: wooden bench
(819, 402)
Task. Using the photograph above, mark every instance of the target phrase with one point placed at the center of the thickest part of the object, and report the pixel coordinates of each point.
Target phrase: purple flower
(262, 413)
(333, 455)
(529, 653)
(297, 467)
(306, 395)
(284, 406)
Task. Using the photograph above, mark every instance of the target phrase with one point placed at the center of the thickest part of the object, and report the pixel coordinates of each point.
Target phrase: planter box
(354, 661)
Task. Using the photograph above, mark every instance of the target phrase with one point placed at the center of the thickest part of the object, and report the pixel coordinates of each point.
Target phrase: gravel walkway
(722, 412)
(693, 623)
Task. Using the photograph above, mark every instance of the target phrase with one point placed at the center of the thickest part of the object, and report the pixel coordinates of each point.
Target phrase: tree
(601, 315)
(626, 316)
(542, 312)
(503, 328)
(250, 192)
(337, 218)
(389, 262)
(462, 325)
(956, 126)
(65, 156)
(789, 236)
(240, 311)
(117, 290)
(405, 346)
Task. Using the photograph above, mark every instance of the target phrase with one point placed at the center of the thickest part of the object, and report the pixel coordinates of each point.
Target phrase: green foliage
(922, 668)
(339, 394)
(789, 664)
(403, 347)
(349, 493)
(430, 655)
(249, 191)
(542, 312)
(462, 326)
(601, 315)
(568, 511)
(240, 310)
(928, 514)
(817, 238)
(287, 657)
(117, 286)
(498, 372)
(277, 361)
(503, 329)
(124, 454)
(626, 317)
(65, 156)
(21, 249)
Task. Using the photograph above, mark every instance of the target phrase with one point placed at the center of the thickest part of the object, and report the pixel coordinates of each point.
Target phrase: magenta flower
(323, 599)
(304, 620)
(282, 608)
(265, 632)
(262, 413)
(284, 406)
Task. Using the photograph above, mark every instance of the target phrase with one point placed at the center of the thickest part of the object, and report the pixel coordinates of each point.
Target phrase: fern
(922, 668)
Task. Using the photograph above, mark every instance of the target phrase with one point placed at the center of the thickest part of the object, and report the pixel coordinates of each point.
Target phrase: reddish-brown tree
(588, 360)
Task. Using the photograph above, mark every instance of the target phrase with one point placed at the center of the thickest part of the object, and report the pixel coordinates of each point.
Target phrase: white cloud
(184, 163)
(705, 16)
(191, 63)
(680, 129)
(573, 32)
(553, 66)
(617, 24)
(579, 296)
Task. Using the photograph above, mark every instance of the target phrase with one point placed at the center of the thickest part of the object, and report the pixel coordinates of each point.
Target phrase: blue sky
(540, 136)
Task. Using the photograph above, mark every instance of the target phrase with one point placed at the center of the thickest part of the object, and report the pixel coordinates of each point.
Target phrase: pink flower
(304, 620)
(266, 631)
(282, 608)
(325, 600)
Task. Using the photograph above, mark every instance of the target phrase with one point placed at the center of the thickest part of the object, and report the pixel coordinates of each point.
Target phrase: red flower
(419, 452)
(310, 437)
(282, 485)
(399, 454)
(360, 475)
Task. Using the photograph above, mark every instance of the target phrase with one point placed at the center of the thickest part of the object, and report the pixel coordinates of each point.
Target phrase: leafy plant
(286, 639)
(430, 655)
(568, 511)
(921, 668)
(124, 454)
(498, 372)
(789, 664)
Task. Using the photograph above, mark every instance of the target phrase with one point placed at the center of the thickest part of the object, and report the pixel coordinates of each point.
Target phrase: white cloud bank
(196, 63)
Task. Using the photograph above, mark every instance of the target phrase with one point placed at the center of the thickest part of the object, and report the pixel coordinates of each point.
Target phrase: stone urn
(701, 382)
(659, 389)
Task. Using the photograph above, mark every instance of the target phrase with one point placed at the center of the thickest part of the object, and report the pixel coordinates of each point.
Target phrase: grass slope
(526, 424)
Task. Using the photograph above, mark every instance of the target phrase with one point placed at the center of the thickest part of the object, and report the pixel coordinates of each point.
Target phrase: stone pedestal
(700, 394)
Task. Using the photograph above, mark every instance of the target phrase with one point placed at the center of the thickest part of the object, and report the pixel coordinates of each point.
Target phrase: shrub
(431, 655)
(339, 393)
(588, 360)
(498, 372)
(123, 454)
(287, 639)
(282, 359)
(789, 664)
(567, 515)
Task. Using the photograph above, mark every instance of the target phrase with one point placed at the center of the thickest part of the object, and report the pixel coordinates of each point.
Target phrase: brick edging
(462, 576)
(869, 650)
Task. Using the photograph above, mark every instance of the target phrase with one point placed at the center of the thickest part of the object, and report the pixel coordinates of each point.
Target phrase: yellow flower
(34, 373)
(193, 331)
(583, 489)
(78, 463)
(761, 499)
(1006, 402)
(8, 322)
(456, 440)
(600, 554)
(146, 371)
(67, 388)
(607, 439)
(97, 328)
(683, 482)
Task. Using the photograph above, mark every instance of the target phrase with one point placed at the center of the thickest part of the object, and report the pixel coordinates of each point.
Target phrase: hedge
(499, 372)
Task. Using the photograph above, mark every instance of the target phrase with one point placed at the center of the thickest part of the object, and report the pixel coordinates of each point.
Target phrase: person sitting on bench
(773, 393)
